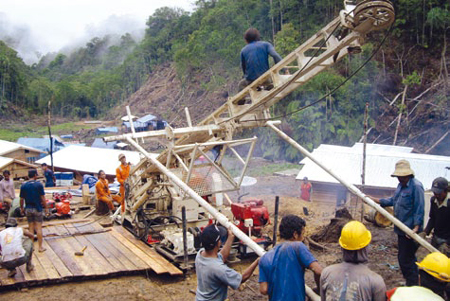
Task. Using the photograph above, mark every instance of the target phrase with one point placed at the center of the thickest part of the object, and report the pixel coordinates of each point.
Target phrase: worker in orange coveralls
(103, 193)
(306, 190)
(122, 173)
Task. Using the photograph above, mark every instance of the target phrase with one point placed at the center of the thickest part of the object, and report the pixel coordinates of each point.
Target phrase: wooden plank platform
(109, 253)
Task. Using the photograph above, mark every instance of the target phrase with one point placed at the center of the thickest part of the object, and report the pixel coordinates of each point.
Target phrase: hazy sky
(49, 25)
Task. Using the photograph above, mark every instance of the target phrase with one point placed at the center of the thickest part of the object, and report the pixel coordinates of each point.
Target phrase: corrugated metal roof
(7, 147)
(111, 129)
(136, 124)
(146, 118)
(90, 159)
(41, 143)
(346, 162)
(4, 161)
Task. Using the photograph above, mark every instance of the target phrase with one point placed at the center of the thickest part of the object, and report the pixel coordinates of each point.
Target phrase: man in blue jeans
(408, 202)
(282, 269)
(32, 195)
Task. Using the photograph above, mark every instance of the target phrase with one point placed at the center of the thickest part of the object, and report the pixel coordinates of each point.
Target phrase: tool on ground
(81, 253)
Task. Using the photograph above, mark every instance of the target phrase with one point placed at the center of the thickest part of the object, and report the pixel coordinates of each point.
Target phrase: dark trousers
(407, 259)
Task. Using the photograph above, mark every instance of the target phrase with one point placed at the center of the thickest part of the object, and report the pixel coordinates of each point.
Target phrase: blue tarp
(42, 144)
(99, 143)
(106, 130)
(91, 181)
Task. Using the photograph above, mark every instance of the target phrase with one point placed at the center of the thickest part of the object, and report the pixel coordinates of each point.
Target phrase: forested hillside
(407, 77)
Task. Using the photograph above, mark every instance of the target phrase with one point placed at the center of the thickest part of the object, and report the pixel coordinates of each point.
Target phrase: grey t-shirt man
(351, 282)
(214, 277)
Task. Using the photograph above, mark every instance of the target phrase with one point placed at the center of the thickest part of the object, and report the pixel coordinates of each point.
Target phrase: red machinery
(251, 216)
(60, 205)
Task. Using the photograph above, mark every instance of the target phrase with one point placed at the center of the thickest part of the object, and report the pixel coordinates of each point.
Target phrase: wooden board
(149, 251)
(111, 253)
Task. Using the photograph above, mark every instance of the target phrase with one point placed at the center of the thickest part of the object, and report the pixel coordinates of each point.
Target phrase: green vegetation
(270, 169)
(93, 79)
(39, 131)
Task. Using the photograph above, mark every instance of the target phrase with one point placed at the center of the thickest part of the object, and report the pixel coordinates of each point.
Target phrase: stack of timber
(110, 252)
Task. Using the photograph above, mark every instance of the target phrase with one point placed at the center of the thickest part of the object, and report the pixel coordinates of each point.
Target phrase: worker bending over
(213, 275)
(122, 173)
(282, 269)
(352, 279)
(434, 276)
(103, 193)
(16, 250)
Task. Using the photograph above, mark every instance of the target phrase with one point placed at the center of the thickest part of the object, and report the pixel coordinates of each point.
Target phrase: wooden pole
(49, 108)
(363, 175)
(436, 143)
(399, 120)
(275, 222)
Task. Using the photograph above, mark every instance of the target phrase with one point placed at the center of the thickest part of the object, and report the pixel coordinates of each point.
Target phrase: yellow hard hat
(437, 265)
(354, 236)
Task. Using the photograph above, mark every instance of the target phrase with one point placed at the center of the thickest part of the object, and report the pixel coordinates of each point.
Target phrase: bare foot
(30, 267)
(42, 249)
(12, 273)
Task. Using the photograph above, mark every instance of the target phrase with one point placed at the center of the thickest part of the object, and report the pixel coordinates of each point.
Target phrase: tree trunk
(444, 61)
(273, 22)
(400, 114)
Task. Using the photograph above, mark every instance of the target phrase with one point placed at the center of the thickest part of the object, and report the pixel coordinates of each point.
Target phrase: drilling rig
(159, 186)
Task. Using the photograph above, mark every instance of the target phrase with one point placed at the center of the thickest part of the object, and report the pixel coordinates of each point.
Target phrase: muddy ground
(382, 251)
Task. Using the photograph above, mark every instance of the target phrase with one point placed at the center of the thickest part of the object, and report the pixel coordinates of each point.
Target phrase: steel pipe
(353, 189)
(222, 219)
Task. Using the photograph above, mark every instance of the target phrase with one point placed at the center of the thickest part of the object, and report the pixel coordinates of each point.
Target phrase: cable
(332, 91)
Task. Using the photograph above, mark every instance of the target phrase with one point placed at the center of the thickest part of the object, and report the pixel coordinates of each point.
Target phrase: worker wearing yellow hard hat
(354, 236)
(352, 279)
(434, 275)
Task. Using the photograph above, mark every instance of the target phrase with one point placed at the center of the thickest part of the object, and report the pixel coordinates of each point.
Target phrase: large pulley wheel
(381, 13)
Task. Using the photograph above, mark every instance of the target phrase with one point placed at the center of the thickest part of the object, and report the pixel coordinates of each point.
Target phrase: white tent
(380, 163)
(90, 159)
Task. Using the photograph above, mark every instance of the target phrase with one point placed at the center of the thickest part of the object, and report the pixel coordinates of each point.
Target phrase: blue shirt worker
(49, 176)
(408, 202)
(255, 57)
(32, 195)
(282, 269)
(213, 275)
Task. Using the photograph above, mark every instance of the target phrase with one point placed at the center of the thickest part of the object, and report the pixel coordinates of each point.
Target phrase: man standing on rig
(255, 58)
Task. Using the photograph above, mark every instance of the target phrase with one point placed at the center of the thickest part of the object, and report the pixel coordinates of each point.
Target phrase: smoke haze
(34, 28)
